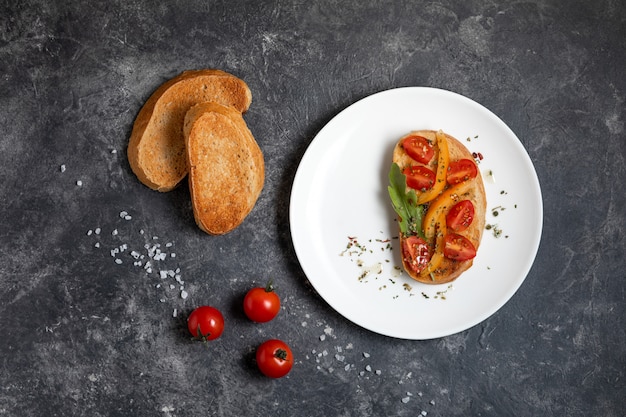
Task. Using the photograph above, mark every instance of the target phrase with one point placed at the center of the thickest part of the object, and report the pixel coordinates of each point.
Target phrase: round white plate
(339, 196)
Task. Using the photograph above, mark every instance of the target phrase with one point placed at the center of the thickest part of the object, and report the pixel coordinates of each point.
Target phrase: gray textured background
(84, 336)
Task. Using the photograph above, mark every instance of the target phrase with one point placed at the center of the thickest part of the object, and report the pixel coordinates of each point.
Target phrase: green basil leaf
(405, 203)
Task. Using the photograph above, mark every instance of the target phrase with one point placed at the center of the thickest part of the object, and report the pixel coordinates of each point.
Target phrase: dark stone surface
(84, 336)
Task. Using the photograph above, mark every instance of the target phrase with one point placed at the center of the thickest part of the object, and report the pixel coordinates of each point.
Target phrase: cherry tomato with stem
(261, 304)
(274, 358)
(205, 323)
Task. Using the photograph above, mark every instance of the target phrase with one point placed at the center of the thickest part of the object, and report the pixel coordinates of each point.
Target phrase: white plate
(340, 191)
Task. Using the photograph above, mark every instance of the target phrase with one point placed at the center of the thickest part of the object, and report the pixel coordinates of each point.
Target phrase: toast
(432, 251)
(156, 150)
(226, 167)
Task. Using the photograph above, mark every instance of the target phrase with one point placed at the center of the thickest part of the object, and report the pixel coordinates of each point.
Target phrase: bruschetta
(438, 194)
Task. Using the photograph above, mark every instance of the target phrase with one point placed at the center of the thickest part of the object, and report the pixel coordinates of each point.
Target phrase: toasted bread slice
(226, 167)
(156, 150)
(449, 269)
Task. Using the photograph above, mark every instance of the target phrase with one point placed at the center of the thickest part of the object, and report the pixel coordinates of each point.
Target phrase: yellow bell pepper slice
(438, 208)
(443, 160)
(437, 257)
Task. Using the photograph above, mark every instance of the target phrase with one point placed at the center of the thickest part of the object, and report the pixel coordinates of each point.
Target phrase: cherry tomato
(461, 170)
(416, 253)
(418, 148)
(206, 323)
(261, 304)
(458, 247)
(274, 358)
(419, 177)
(460, 216)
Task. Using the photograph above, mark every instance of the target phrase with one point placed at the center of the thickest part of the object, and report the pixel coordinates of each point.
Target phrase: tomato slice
(416, 253)
(460, 216)
(461, 170)
(418, 148)
(419, 177)
(458, 248)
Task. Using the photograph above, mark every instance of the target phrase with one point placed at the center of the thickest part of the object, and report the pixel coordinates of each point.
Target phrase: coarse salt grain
(79, 183)
(62, 167)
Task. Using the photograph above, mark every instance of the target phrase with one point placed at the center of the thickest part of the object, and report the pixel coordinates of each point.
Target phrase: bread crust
(156, 149)
(226, 167)
(449, 269)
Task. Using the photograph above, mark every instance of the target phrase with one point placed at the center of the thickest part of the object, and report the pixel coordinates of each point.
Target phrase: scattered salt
(147, 260)
(79, 183)
(62, 167)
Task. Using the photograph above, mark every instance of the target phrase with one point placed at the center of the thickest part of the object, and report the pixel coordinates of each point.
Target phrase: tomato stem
(281, 354)
(202, 337)
(269, 287)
